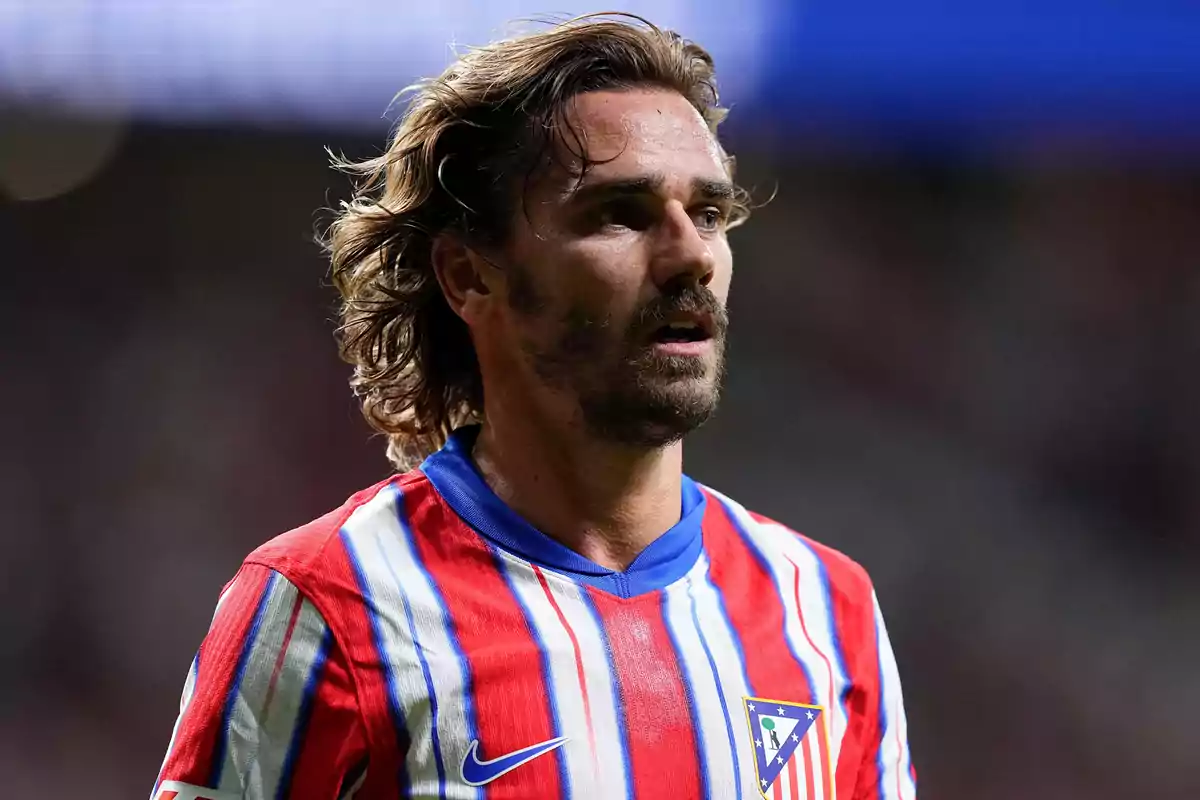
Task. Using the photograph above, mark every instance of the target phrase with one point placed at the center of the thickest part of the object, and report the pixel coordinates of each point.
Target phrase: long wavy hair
(458, 162)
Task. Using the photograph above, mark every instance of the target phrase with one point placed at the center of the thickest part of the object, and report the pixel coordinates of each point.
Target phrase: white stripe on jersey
(810, 744)
(396, 580)
(895, 778)
(731, 667)
(281, 712)
(787, 790)
(602, 689)
(251, 694)
(798, 790)
(813, 744)
(582, 768)
(719, 715)
(781, 549)
(820, 625)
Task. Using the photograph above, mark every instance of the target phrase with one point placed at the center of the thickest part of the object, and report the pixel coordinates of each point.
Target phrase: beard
(628, 392)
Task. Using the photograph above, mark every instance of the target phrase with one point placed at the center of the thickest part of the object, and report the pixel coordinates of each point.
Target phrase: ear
(464, 276)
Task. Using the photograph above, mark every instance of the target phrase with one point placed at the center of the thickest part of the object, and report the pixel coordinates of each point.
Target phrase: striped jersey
(425, 641)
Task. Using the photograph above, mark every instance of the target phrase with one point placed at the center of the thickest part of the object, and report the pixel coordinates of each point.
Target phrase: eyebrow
(703, 188)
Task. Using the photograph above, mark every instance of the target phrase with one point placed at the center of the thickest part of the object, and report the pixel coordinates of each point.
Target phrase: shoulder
(845, 579)
(314, 554)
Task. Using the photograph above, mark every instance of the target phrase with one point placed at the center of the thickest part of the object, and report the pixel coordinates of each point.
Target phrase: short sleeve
(268, 708)
(887, 772)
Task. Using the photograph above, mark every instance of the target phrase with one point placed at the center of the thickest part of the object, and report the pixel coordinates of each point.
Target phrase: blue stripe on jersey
(761, 559)
(218, 762)
(298, 733)
(712, 666)
(547, 675)
(693, 706)
(839, 653)
(618, 705)
(468, 691)
(397, 712)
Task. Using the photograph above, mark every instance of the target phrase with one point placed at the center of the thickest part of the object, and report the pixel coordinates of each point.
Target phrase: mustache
(685, 300)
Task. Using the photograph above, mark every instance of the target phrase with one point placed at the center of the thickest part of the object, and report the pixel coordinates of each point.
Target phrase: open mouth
(681, 332)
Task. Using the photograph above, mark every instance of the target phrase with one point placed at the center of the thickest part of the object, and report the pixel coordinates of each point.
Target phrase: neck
(606, 502)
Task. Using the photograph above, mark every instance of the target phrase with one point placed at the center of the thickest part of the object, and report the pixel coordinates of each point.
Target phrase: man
(534, 279)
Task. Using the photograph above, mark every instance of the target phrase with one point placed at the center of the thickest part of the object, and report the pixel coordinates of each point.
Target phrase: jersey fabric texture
(425, 641)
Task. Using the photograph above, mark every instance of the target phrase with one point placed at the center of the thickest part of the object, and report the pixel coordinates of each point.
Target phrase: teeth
(682, 326)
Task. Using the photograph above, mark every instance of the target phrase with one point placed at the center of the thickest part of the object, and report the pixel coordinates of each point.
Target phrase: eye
(709, 218)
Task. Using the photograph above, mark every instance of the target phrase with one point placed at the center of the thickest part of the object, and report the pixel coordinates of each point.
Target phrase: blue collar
(667, 559)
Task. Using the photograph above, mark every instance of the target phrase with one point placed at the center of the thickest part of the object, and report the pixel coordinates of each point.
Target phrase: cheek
(722, 270)
(605, 278)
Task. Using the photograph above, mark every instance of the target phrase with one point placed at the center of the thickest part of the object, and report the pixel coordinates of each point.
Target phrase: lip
(692, 349)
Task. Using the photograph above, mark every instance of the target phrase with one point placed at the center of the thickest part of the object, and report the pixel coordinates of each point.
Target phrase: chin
(654, 416)
(653, 401)
(663, 368)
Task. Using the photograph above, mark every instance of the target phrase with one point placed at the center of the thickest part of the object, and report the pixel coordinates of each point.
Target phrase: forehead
(639, 131)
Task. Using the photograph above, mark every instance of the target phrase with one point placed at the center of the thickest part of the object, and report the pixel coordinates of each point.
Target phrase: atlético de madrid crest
(791, 750)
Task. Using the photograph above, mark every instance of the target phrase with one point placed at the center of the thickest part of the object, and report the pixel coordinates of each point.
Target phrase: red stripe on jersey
(191, 757)
(755, 610)
(777, 788)
(793, 777)
(663, 751)
(287, 639)
(854, 623)
(332, 740)
(168, 795)
(511, 695)
(562, 618)
(808, 767)
(347, 612)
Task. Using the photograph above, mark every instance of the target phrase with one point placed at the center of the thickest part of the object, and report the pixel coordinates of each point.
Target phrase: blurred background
(966, 349)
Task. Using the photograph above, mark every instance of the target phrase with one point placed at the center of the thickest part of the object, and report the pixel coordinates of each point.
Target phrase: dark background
(972, 363)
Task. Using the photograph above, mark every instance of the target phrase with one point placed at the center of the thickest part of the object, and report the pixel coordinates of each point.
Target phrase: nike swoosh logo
(477, 773)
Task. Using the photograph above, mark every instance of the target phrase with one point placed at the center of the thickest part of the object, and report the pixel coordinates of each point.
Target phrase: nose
(681, 253)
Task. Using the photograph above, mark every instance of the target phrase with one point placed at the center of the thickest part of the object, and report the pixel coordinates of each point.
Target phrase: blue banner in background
(929, 63)
(915, 68)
